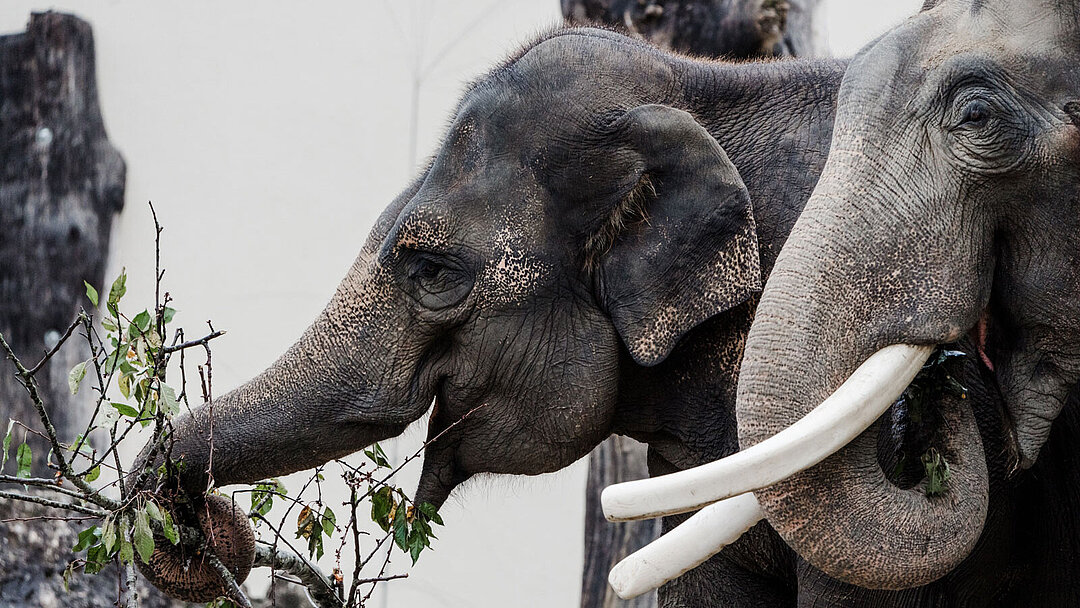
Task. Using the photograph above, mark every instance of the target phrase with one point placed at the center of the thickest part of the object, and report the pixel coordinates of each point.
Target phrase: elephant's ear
(693, 252)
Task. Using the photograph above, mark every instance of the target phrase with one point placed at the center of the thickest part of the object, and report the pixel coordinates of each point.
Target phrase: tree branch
(319, 586)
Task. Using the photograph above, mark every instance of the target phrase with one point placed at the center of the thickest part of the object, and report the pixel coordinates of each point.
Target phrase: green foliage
(937, 472)
(311, 525)
(262, 497)
(24, 459)
(117, 291)
(933, 382)
(7, 444)
(91, 294)
(377, 456)
(76, 375)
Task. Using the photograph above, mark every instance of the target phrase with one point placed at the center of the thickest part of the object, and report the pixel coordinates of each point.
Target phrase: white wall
(269, 136)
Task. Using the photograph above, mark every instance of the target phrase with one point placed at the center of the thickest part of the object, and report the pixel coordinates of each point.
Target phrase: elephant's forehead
(425, 226)
(1003, 28)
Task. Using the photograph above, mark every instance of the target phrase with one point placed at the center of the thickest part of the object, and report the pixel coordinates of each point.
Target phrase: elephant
(581, 257)
(951, 167)
(733, 29)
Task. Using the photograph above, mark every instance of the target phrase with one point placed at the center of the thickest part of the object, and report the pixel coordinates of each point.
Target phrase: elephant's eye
(426, 269)
(975, 115)
(436, 282)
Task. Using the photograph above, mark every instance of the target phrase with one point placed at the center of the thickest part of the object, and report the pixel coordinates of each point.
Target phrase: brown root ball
(187, 575)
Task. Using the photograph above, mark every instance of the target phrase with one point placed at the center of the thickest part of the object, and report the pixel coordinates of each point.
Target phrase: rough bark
(616, 460)
(61, 183)
(732, 29)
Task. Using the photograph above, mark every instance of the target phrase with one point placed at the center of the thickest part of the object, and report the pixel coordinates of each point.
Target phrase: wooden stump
(616, 460)
(61, 184)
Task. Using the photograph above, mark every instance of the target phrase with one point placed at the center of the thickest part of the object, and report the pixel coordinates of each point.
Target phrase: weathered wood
(734, 29)
(61, 183)
(616, 460)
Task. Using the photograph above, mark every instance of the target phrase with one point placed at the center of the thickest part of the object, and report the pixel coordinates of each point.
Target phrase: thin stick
(52, 503)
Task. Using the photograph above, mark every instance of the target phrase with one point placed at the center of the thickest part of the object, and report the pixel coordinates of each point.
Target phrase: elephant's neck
(775, 122)
(684, 408)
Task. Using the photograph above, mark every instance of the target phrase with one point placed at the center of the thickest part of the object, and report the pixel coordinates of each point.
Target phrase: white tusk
(686, 546)
(849, 411)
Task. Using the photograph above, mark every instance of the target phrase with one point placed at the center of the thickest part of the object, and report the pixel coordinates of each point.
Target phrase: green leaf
(142, 321)
(76, 375)
(169, 404)
(109, 325)
(87, 538)
(382, 503)
(96, 559)
(125, 410)
(109, 536)
(92, 474)
(169, 530)
(7, 443)
(401, 528)
(167, 314)
(144, 537)
(414, 552)
(117, 291)
(153, 511)
(125, 385)
(431, 512)
(115, 358)
(329, 522)
(377, 456)
(937, 472)
(68, 572)
(127, 552)
(262, 496)
(24, 458)
(91, 294)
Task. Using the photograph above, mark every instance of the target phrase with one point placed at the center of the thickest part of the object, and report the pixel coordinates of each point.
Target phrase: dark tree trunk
(61, 183)
(616, 460)
(60, 186)
(731, 29)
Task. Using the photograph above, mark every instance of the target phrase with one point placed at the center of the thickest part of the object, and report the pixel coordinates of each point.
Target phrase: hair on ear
(633, 208)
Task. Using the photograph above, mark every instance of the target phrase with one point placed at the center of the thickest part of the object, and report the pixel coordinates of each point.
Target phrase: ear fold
(694, 253)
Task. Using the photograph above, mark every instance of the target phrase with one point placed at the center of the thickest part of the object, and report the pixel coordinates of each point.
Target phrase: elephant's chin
(440, 474)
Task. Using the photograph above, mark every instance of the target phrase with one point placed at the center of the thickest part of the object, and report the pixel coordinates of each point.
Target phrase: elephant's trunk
(824, 311)
(313, 404)
(342, 386)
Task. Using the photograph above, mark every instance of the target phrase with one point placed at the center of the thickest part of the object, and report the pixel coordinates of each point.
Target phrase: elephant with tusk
(581, 257)
(953, 162)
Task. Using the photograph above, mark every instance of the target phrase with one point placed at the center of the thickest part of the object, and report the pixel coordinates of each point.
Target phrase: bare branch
(320, 587)
(52, 503)
(193, 343)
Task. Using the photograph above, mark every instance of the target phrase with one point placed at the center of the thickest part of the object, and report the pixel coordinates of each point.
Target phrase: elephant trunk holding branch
(562, 271)
(580, 248)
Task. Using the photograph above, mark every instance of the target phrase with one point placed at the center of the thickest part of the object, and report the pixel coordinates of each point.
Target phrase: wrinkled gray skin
(510, 276)
(734, 29)
(948, 206)
(516, 275)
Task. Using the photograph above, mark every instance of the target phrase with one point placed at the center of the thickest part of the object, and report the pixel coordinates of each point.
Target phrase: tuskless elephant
(580, 258)
(948, 208)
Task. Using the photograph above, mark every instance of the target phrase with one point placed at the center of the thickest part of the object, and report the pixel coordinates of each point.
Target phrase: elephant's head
(948, 206)
(570, 224)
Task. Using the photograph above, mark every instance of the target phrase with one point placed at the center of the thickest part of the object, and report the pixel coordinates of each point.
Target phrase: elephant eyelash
(632, 209)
